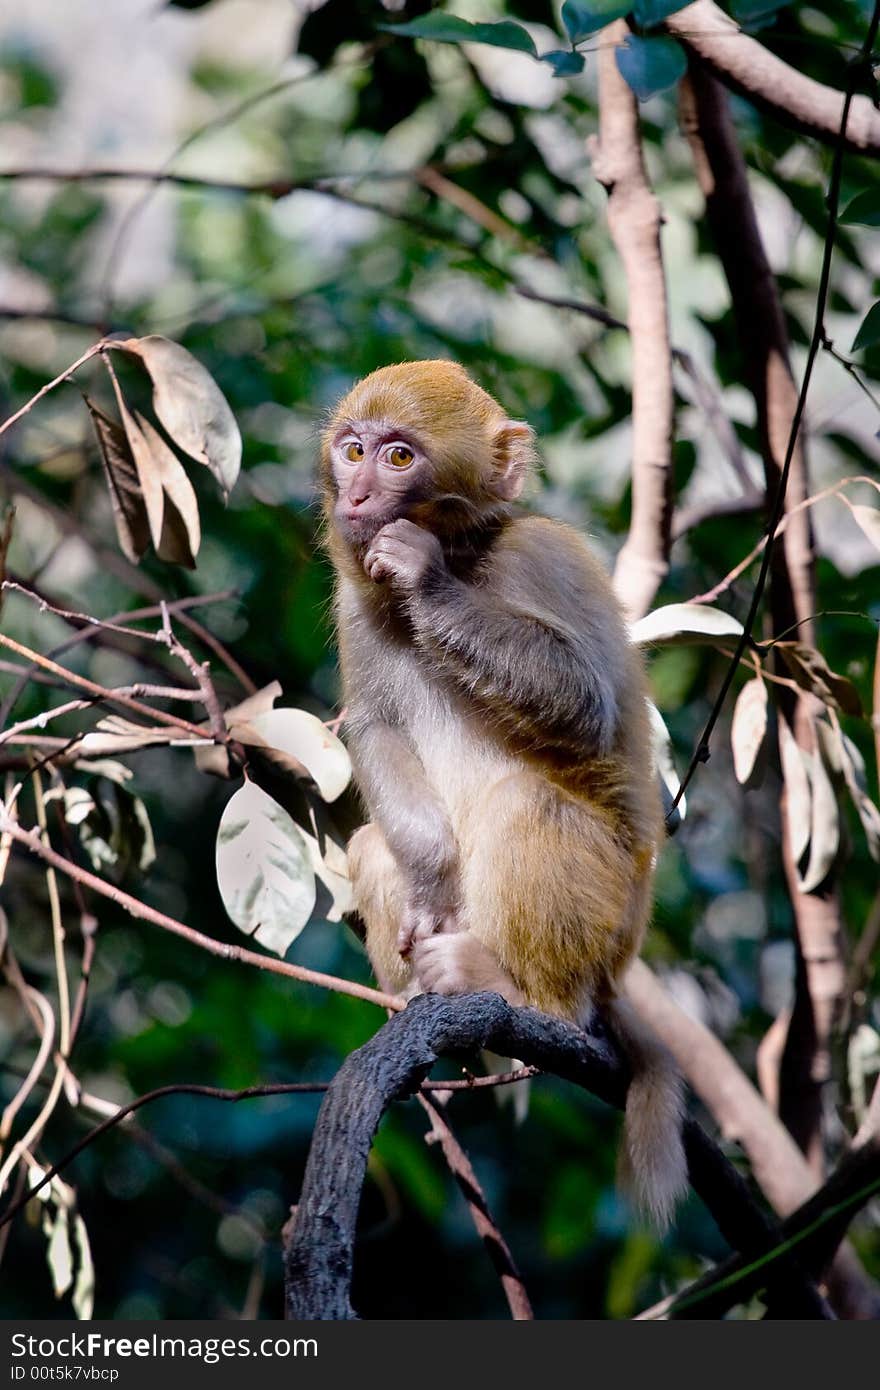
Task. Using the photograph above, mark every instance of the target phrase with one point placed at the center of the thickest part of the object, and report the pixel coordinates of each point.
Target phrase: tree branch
(486, 1227)
(747, 67)
(813, 1232)
(226, 950)
(764, 346)
(319, 1249)
(634, 220)
(745, 1118)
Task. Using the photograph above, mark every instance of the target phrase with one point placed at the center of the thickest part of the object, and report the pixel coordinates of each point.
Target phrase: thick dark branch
(391, 1065)
(813, 1233)
(763, 337)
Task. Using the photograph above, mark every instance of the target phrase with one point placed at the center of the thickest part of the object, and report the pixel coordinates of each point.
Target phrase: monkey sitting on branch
(499, 730)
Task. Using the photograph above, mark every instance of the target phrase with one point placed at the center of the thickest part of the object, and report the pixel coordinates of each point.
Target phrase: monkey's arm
(521, 668)
(537, 642)
(412, 819)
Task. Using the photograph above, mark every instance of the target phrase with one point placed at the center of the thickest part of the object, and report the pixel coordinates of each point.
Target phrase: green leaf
(582, 20)
(756, 14)
(650, 65)
(869, 333)
(864, 210)
(264, 871)
(650, 12)
(564, 62)
(447, 28)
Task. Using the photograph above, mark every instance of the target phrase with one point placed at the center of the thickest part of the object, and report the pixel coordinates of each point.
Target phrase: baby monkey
(498, 726)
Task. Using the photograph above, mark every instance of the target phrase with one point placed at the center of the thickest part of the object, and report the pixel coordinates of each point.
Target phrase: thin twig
(102, 692)
(486, 1227)
(50, 386)
(92, 627)
(225, 950)
(273, 1088)
(201, 674)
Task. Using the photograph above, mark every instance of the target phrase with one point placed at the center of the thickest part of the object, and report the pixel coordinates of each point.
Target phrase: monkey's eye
(354, 451)
(400, 456)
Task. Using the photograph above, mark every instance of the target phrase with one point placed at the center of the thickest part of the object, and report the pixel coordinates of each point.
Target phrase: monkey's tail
(652, 1166)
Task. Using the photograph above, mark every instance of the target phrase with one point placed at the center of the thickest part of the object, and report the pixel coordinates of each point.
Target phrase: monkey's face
(379, 474)
(420, 441)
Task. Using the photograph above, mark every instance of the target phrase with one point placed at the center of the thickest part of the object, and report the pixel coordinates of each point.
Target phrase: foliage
(443, 172)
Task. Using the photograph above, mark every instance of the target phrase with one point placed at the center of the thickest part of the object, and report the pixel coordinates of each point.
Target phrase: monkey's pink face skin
(378, 472)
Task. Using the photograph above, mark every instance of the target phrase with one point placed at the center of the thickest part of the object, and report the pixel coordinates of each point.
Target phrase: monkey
(498, 726)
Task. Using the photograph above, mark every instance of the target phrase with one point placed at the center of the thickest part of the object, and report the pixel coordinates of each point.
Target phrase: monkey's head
(420, 440)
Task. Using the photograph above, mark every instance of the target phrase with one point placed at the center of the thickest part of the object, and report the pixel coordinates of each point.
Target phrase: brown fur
(497, 720)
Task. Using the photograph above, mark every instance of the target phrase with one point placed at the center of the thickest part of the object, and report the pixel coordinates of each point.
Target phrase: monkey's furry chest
(450, 740)
(459, 762)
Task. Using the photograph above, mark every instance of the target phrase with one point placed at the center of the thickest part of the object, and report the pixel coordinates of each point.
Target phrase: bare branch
(50, 385)
(225, 950)
(201, 674)
(103, 692)
(487, 1229)
(118, 1114)
(746, 66)
(95, 629)
(634, 221)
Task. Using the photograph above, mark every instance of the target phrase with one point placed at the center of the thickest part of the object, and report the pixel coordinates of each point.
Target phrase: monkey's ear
(513, 455)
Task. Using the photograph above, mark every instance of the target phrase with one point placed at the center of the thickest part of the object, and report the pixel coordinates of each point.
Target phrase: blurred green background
(286, 302)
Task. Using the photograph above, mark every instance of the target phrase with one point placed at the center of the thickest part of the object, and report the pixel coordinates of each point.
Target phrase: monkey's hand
(460, 964)
(421, 920)
(403, 553)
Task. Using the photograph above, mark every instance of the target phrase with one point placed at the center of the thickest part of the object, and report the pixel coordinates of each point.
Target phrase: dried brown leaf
(812, 672)
(148, 472)
(123, 483)
(190, 405)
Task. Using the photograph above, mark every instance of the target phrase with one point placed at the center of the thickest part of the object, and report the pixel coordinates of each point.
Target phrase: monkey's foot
(418, 923)
(458, 963)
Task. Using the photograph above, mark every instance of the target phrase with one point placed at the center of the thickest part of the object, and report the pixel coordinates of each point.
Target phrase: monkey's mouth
(361, 530)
